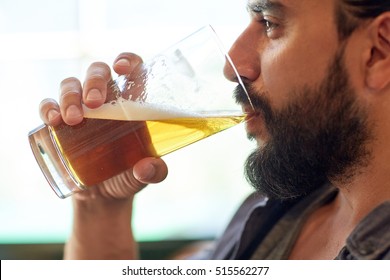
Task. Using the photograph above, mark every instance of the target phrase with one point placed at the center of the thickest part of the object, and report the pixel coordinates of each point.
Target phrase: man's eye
(268, 25)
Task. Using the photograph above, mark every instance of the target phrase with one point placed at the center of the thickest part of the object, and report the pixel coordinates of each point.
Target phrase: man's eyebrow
(259, 6)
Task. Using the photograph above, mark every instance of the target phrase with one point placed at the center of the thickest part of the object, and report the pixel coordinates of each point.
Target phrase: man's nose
(245, 57)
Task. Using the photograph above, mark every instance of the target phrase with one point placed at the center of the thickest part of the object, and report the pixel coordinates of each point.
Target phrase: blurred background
(43, 42)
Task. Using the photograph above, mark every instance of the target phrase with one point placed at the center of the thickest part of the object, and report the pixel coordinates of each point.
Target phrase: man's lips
(254, 123)
(249, 112)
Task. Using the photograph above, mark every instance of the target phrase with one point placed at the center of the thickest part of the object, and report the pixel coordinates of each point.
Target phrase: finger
(70, 101)
(95, 85)
(49, 111)
(131, 65)
(150, 170)
(125, 63)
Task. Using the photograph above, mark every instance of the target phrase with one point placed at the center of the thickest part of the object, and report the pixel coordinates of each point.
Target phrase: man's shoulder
(251, 222)
(370, 240)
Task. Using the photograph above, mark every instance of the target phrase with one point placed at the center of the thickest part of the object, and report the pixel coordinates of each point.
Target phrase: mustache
(258, 100)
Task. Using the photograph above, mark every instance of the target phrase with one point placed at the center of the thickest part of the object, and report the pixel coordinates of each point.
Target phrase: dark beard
(320, 136)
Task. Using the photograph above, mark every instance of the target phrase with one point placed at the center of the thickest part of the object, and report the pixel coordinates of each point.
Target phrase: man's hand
(93, 93)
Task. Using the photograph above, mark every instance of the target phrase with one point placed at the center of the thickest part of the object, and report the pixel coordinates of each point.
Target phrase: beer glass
(178, 97)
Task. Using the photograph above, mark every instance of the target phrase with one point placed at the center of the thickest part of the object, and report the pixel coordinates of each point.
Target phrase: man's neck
(325, 232)
(365, 191)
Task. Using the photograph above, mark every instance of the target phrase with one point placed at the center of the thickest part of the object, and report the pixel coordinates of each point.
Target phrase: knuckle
(99, 64)
(132, 57)
(47, 104)
(69, 82)
(99, 70)
(96, 78)
(70, 85)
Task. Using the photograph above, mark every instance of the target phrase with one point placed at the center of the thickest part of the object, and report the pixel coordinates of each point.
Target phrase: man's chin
(278, 176)
(260, 141)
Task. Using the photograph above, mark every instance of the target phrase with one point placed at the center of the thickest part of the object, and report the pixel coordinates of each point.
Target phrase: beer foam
(127, 110)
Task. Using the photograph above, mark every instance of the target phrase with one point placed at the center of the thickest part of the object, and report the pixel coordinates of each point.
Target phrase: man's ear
(378, 65)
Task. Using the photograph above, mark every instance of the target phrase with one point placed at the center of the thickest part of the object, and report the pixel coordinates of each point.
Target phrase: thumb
(150, 170)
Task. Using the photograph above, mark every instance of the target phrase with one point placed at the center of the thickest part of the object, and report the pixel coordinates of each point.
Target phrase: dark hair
(351, 13)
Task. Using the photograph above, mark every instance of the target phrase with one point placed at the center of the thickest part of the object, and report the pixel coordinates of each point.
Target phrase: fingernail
(94, 94)
(123, 62)
(52, 115)
(73, 112)
(148, 173)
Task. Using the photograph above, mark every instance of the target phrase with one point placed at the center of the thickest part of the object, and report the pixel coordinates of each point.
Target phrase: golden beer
(98, 149)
